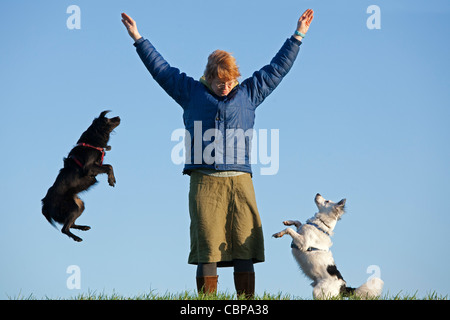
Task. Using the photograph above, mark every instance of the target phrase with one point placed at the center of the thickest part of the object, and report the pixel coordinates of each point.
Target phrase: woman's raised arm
(177, 84)
(264, 81)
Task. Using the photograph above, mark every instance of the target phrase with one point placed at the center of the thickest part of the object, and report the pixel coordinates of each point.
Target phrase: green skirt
(225, 222)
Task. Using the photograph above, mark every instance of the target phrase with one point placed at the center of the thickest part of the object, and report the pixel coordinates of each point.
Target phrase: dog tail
(371, 289)
(47, 214)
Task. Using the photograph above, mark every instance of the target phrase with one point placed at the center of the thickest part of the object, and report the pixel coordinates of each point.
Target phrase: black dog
(84, 163)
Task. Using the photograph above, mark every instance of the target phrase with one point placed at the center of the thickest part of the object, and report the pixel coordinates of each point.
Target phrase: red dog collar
(82, 144)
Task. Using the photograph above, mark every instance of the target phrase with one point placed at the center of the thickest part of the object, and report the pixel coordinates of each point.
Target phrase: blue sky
(363, 115)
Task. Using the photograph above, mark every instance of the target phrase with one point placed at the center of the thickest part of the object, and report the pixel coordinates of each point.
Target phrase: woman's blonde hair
(221, 65)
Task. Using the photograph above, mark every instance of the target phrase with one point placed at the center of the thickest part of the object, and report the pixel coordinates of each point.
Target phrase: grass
(189, 295)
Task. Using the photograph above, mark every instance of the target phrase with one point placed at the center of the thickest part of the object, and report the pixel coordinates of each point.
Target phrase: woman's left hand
(305, 21)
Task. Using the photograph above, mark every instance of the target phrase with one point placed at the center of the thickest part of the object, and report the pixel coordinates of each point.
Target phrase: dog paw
(278, 235)
(292, 223)
(77, 239)
(112, 181)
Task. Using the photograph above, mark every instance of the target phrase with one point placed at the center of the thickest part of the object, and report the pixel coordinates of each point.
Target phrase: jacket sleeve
(177, 84)
(264, 81)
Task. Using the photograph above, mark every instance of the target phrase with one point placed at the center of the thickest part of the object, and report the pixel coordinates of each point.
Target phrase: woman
(218, 111)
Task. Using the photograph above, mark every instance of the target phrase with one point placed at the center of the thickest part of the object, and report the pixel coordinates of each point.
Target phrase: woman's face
(222, 88)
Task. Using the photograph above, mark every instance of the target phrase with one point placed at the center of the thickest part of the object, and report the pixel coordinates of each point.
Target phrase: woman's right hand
(130, 24)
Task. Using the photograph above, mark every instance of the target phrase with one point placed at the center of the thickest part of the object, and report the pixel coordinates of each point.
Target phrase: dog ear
(341, 203)
(103, 114)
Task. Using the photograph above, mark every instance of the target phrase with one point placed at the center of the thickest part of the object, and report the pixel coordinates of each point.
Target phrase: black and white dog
(311, 248)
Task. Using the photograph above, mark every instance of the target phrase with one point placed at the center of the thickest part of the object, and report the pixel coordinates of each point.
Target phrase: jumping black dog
(83, 164)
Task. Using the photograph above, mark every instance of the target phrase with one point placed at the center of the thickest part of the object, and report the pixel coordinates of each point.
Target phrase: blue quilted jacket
(219, 130)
